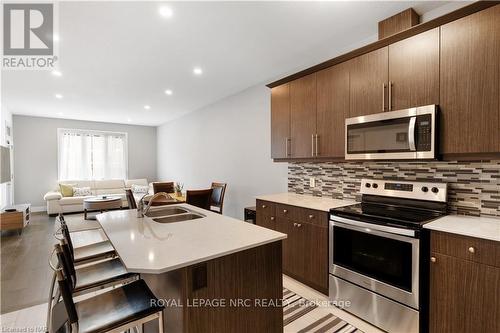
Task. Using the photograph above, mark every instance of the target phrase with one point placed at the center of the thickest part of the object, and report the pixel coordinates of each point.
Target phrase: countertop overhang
(146, 246)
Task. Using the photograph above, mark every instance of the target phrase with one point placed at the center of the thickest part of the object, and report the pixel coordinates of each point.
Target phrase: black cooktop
(392, 215)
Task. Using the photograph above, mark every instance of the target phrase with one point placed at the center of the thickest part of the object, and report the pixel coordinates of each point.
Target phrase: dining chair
(132, 204)
(117, 310)
(217, 201)
(167, 187)
(199, 198)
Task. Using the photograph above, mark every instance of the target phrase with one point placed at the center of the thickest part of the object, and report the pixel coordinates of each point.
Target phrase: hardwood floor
(25, 273)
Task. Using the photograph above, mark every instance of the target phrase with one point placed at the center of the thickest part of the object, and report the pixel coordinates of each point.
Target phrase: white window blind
(91, 155)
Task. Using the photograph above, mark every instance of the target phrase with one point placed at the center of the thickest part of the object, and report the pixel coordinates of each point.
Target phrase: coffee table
(100, 204)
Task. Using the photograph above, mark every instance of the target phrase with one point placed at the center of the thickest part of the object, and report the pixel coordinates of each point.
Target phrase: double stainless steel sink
(172, 214)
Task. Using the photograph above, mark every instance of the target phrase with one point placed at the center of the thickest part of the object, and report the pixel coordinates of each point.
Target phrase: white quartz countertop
(306, 201)
(146, 246)
(479, 227)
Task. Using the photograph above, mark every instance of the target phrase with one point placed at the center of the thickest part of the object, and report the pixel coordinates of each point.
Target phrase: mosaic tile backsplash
(473, 187)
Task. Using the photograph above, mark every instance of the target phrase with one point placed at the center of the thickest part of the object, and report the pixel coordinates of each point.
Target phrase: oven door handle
(370, 228)
(411, 133)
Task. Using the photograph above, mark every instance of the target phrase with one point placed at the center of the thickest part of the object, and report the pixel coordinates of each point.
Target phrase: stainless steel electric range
(379, 253)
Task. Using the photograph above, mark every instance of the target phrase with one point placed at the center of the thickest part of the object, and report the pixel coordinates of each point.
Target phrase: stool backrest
(218, 192)
(167, 187)
(130, 199)
(67, 295)
(199, 198)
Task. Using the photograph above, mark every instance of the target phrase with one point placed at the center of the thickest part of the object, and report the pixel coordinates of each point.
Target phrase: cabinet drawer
(316, 217)
(288, 212)
(265, 208)
(469, 248)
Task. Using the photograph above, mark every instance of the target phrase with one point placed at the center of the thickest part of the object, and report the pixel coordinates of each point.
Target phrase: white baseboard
(38, 209)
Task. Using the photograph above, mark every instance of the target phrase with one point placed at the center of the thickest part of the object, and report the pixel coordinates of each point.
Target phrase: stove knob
(375, 185)
(435, 190)
(425, 189)
(368, 185)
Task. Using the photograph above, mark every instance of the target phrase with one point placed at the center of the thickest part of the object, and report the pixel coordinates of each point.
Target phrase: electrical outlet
(312, 182)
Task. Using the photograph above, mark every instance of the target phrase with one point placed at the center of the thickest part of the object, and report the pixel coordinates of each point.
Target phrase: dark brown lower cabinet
(464, 294)
(305, 251)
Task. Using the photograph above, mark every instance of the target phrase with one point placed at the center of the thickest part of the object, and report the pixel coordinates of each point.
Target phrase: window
(89, 155)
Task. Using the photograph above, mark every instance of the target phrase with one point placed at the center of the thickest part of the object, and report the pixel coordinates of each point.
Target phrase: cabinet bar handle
(312, 145)
(294, 224)
(433, 259)
(472, 249)
(264, 206)
(285, 211)
(272, 218)
(287, 151)
(383, 96)
(299, 225)
(390, 95)
(316, 142)
(311, 217)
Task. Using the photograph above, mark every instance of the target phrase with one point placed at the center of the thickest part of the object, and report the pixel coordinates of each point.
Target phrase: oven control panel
(405, 189)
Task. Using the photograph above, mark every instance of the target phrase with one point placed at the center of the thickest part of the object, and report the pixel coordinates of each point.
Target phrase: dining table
(176, 198)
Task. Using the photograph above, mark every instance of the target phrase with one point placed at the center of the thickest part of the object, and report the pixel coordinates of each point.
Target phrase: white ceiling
(116, 57)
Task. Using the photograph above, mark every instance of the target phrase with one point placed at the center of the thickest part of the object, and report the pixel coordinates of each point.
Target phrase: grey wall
(228, 141)
(35, 153)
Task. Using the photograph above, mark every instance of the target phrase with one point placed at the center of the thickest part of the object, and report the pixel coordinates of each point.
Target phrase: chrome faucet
(141, 211)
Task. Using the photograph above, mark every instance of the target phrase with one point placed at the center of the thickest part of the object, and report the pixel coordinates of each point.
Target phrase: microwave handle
(411, 133)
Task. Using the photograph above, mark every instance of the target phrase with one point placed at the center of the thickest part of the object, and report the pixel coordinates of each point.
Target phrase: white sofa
(56, 203)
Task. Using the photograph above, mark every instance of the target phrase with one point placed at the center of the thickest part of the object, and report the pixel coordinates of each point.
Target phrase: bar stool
(217, 201)
(199, 198)
(117, 310)
(87, 253)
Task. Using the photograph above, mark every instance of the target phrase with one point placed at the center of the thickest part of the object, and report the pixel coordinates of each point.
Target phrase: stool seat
(101, 273)
(93, 251)
(115, 308)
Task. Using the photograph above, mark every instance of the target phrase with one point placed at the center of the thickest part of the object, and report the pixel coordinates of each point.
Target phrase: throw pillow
(66, 189)
(81, 191)
(139, 189)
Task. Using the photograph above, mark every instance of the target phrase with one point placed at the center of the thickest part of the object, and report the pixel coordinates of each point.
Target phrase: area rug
(303, 316)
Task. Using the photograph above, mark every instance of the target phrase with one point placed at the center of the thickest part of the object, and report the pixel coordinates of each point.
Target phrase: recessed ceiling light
(166, 11)
(147, 107)
(58, 96)
(60, 114)
(197, 71)
(56, 73)
(169, 92)
(55, 37)
(129, 120)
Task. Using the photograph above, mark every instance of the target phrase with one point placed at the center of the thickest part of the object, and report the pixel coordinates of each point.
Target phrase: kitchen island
(213, 273)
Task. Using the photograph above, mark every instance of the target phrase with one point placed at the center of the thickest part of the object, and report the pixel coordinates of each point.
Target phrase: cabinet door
(447, 302)
(285, 226)
(280, 121)
(266, 212)
(332, 109)
(414, 71)
(315, 255)
(303, 116)
(368, 83)
(482, 304)
(469, 87)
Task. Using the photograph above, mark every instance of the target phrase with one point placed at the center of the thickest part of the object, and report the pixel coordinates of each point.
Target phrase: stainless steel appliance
(403, 134)
(378, 252)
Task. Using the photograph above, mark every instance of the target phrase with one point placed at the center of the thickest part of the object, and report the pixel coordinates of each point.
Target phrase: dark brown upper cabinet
(368, 83)
(303, 116)
(332, 109)
(280, 121)
(414, 71)
(469, 83)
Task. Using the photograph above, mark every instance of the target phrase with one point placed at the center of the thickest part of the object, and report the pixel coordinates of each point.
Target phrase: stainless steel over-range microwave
(403, 134)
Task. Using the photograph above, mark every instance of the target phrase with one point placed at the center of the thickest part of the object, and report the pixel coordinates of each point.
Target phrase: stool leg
(160, 322)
